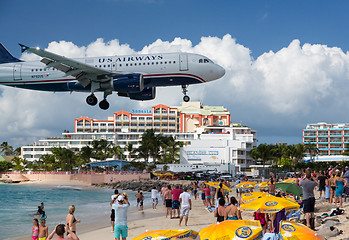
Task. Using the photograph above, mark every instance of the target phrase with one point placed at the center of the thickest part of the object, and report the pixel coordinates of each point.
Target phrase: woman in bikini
(71, 220)
(232, 212)
(332, 184)
(219, 212)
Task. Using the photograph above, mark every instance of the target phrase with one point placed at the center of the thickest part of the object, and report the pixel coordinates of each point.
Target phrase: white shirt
(185, 196)
(120, 213)
(154, 193)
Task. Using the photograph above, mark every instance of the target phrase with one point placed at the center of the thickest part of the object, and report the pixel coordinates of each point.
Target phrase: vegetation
(285, 155)
(160, 148)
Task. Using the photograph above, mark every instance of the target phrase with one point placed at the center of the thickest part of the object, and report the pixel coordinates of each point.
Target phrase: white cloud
(277, 93)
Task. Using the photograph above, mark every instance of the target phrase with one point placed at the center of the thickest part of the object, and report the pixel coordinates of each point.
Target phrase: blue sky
(256, 26)
(259, 25)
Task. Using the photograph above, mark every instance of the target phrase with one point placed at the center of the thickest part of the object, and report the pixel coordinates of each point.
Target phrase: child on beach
(43, 230)
(35, 229)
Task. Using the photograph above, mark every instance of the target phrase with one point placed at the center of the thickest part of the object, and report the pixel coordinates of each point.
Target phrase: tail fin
(5, 56)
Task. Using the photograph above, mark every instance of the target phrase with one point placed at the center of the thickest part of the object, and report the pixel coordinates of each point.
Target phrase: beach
(199, 218)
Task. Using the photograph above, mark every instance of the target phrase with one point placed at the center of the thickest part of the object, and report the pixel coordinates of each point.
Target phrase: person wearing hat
(120, 204)
(185, 206)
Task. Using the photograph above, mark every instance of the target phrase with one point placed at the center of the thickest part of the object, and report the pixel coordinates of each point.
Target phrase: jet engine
(148, 93)
(129, 83)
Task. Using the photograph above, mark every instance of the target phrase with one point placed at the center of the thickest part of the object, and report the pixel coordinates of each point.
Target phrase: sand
(199, 218)
(154, 219)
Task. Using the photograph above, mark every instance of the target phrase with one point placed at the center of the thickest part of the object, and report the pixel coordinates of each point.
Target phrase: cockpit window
(205, 60)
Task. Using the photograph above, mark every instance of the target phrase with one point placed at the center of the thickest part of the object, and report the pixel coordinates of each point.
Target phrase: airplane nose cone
(220, 71)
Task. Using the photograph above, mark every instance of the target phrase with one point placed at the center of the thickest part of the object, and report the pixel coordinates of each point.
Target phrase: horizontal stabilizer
(23, 47)
(5, 56)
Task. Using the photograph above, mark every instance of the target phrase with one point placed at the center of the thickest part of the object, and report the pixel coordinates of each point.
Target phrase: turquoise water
(18, 203)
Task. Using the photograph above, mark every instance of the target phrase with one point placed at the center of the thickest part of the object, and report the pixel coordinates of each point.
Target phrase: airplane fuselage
(166, 69)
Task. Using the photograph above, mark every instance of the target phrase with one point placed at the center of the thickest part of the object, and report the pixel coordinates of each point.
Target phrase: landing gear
(91, 100)
(186, 98)
(104, 104)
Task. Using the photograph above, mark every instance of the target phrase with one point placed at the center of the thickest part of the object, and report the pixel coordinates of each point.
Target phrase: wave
(67, 188)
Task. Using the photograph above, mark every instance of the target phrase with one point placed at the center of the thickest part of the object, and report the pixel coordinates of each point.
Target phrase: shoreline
(103, 223)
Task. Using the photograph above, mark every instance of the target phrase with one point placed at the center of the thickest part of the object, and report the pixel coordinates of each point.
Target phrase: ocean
(18, 204)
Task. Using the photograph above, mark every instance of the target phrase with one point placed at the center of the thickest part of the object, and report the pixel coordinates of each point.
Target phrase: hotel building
(330, 139)
(124, 127)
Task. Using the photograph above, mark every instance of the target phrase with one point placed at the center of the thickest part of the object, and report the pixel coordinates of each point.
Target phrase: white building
(221, 145)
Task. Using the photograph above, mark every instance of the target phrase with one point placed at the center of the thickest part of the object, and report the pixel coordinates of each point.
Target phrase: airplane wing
(82, 72)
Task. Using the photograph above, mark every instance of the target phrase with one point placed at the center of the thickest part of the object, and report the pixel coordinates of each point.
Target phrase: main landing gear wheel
(91, 100)
(186, 98)
(104, 104)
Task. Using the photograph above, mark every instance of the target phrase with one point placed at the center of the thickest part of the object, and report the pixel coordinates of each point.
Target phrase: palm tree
(66, 158)
(48, 162)
(100, 149)
(6, 149)
(312, 150)
(85, 155)
(149, 146)
(117, 151)
(19, 163)
(174, 149)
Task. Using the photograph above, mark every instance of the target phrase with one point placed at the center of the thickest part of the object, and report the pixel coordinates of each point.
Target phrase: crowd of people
(177, 202)
(40, 230)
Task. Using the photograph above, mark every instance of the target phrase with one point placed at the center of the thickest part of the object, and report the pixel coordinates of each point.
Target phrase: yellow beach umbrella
(262, 185)
(232, 229)
(291, 180)
(269, 204)
(216, 185)
(246, 185)
(246, 197)
(292, 230)
(169, 234)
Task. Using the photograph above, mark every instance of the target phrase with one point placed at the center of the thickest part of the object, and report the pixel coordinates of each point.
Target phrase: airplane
(133, 76)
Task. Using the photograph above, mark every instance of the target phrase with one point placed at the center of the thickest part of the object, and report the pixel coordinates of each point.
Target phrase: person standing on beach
(70, 219)
(195, 189)
(202, 189)
(112, 215)
(163, 190)
(308, 184)
(340, 183)
(141, 199)
(43, 230)
(175, 200)
(168, 201)
(35, 229)
(154, 197)
(121, 206)
(60, 230)
(185, 205)
(137, 195)
(322, 183)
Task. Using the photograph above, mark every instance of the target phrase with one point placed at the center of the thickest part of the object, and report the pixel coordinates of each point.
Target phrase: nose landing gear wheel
(91, 100)
(186, 98)
(104, 104)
